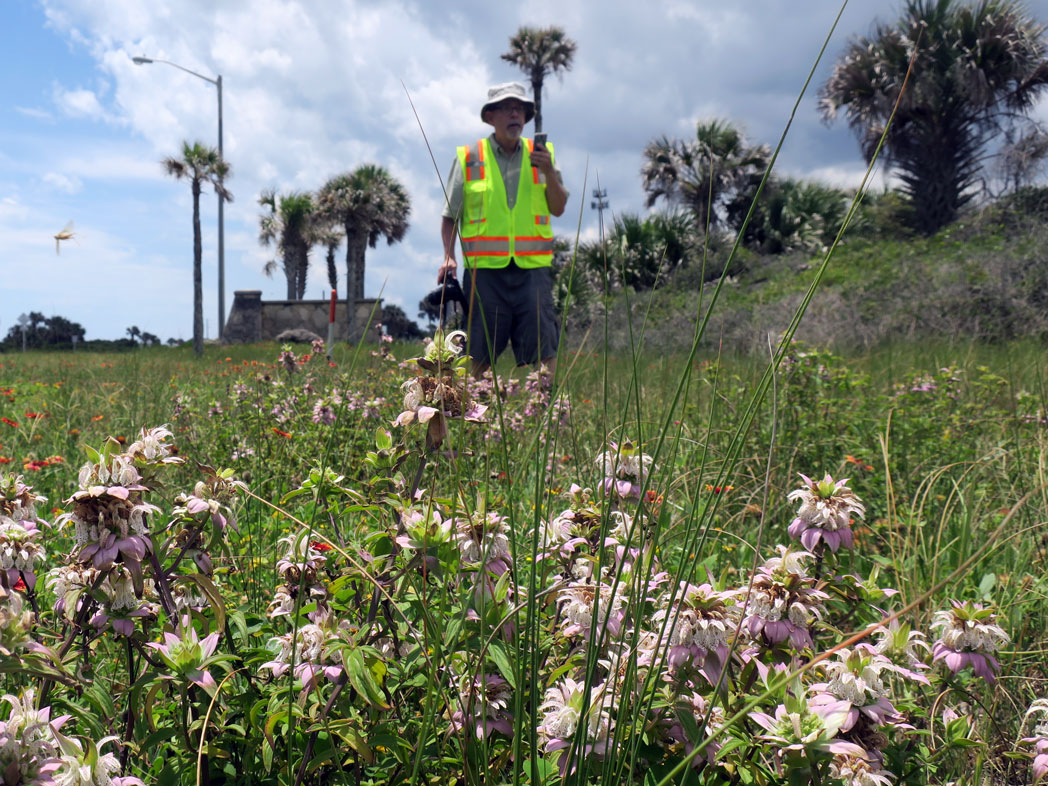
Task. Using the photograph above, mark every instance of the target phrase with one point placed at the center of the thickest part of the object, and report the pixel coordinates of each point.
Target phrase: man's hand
(543, 161)
(449, 267)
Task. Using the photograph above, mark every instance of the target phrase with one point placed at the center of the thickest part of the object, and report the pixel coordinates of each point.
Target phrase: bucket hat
(508, 90)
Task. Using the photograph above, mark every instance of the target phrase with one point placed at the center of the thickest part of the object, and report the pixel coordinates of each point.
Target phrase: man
(502, 213)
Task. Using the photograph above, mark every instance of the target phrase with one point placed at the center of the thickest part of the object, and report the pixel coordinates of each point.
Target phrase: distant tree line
(57, 332)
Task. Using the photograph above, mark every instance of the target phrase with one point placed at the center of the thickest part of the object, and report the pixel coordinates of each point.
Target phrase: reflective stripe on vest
(475, 167)
(491, 233)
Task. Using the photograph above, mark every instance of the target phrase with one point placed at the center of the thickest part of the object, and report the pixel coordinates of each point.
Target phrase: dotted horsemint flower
(574, 527)
(84, 763)
(119, 605)
(906, 648)
(16, 623)
(440, 390)
(563, 709)
(299, 568)
(286, 358)
(624, 467)
(424, 528)
(323, 412)
(19, 550)
(482, 706)
(483, 541)
(1039, 739)
(968, 636)
(302, 559)
(852, 770)
(153, 449)
(188, 657)
(312, 651)
(586, 606)
(803, 735)
(825, 514)
(678, 739)
(29, 752)
(784, 601)
(854, 676)
(574, 537)
(214, 495)
(701, 622)
(109, 513)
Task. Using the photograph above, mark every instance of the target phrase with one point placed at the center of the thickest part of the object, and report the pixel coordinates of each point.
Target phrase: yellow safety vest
(491, 233)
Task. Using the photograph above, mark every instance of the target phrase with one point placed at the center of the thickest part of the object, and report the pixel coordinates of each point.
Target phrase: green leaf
(989, 581)
(361, 680)
(383, 439)
(213, 595)
(267, 756)
(271, 723)
(500, 656)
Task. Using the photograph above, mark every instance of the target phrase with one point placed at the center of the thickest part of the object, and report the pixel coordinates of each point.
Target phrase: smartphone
(540, 143)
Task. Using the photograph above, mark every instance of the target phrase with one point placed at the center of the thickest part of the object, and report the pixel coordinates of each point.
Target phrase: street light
(217, 82)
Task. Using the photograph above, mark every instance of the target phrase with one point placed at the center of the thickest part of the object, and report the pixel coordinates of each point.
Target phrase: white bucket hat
(515, 90)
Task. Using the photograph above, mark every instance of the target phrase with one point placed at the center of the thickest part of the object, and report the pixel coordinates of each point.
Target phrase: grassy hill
(985, 277)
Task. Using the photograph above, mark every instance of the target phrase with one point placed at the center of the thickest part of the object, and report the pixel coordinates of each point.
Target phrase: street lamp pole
(217, 82)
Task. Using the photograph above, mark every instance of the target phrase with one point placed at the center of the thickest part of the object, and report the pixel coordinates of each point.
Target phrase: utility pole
(600, 201)
(217, 82)
(23, 320)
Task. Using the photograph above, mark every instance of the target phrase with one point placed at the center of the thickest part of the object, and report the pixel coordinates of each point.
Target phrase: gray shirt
(509, 168)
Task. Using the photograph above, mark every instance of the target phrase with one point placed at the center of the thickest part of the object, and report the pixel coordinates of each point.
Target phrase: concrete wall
(252, 319)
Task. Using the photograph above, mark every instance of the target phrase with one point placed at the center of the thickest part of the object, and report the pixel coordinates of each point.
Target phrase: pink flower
(804, 734)
(825, 514)
(968, 637)
(188, 656)
(784, 602)
(483, 706)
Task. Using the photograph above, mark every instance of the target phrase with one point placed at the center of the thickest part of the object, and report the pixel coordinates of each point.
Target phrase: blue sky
(313, 89)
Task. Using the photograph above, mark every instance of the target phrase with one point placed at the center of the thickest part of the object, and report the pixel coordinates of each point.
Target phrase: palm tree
(706, 173)
(368, 203)
(288, 223)
(199, 164)
(795, 215)
(978, 68)
(330, 237)
(539, 52)
(641, 252)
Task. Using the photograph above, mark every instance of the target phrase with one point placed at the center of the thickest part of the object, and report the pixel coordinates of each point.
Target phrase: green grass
(946, 466)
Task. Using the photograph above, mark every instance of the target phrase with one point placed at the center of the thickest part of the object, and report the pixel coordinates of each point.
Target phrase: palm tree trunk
(536, 90)
(198, 283)
(356, 244)
(332, 270)
(302, 252)
(289, 272)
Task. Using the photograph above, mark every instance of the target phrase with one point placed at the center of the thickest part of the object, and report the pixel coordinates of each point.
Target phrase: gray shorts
(511, 304)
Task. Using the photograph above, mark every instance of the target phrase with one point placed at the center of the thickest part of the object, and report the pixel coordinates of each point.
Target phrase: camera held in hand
(444, 298)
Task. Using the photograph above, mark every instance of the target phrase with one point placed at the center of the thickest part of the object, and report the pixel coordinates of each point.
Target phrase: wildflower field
(264, 567)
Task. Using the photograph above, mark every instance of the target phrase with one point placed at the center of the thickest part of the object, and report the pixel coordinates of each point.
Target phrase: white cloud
(79, 103)
(33, 112)
(65, 183)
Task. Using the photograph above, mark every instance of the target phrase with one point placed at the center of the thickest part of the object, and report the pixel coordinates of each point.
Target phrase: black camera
(443, 298)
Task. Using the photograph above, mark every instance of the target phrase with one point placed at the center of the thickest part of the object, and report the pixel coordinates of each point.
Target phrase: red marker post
(331, 327)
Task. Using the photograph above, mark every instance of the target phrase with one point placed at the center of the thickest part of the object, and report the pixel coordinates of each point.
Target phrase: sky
(315, 88)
